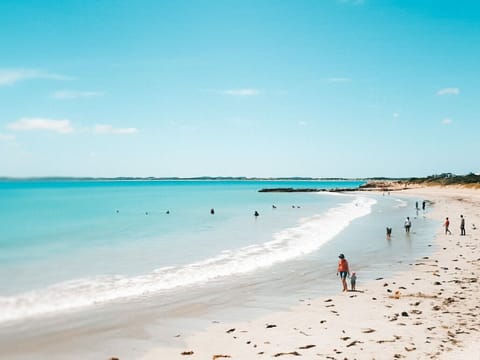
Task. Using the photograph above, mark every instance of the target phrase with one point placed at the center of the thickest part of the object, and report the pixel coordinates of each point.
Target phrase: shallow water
(74, 244)
(155, 319)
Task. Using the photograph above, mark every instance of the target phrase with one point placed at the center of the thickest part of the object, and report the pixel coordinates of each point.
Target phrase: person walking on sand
(447, 224)
(343, 270)
(408, 225)
(462, 226)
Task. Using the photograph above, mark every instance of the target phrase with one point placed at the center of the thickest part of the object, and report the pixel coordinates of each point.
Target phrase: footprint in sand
(306, 347)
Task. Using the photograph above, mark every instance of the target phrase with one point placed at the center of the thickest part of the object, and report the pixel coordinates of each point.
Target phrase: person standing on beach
(447, 224)
(462, 226)
(343, 270)
(389, 233)
(353, 281)
(408, 225)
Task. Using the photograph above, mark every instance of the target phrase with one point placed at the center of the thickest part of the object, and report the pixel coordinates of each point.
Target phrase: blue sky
(330, 88)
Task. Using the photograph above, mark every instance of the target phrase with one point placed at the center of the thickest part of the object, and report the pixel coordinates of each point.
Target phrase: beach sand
(429, 311)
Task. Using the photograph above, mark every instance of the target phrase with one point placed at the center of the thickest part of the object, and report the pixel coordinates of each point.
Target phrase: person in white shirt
(408, 224)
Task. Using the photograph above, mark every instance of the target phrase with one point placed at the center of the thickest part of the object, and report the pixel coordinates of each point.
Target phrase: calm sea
(66, 245)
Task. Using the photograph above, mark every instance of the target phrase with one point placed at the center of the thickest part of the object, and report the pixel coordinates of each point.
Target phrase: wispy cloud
(235, 92)
(33, 124)
(72, 94)
(242, 92)
(12, 76)
(447, 121)
(396, 115)
(63, 126)
(339, 80)
(7, 137)
(448, 91)
(109, 129)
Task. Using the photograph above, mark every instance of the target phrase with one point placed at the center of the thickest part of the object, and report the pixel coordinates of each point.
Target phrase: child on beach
(353, 280)
(389, 233)
(343, 270)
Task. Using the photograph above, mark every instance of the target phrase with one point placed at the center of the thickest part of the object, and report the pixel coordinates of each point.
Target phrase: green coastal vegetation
(469, 180)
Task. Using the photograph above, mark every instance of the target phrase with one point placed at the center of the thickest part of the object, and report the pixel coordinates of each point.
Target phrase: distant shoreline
(5, 178)
(289, 190)
(370, 184)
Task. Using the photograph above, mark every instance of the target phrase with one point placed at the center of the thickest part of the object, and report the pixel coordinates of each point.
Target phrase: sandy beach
(181, 180)
(429, 311)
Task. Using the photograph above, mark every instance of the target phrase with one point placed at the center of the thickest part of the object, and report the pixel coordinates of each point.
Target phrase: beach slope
(429, 311)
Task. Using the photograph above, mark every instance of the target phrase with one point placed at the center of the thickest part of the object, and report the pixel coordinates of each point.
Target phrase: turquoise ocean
(72, 245)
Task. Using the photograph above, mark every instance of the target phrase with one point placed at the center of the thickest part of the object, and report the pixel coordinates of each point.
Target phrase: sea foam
(304, 238)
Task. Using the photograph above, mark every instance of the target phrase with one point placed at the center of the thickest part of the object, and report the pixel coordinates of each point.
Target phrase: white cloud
(32, 124)
(62, 127)
(302, 123)
(7, 137)
(72, 94)
(234, 92)
(447, 121)
(242, 92)
(339, 80)
(396, 114)
(11, 76)
(109, 129)
(448, 91)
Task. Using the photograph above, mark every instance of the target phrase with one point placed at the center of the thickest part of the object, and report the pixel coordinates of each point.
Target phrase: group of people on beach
(446, 224)
(343, 268)
(424, 203)
(408, 223)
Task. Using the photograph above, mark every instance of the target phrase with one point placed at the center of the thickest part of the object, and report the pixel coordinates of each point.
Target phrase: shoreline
(427, 311)
(325, 324)
(216, 267)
